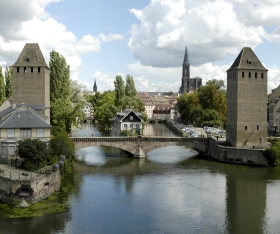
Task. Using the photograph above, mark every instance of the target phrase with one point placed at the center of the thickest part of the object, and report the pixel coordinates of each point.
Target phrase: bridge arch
(140, 146)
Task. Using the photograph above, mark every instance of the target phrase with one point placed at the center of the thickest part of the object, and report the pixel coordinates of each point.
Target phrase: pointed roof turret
(247, 60)
(186, 58)
(31, 55)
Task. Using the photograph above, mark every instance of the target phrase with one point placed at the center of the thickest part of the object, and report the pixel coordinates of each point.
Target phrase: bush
(35, 153)
(272, 154)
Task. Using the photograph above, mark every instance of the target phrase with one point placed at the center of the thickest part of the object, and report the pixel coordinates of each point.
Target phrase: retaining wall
(32, 190)
(236, 155)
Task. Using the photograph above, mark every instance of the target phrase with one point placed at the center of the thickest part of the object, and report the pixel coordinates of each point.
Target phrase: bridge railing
(117, 139)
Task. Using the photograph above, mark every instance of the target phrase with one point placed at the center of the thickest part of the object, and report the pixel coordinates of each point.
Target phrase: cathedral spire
(186, 58)
(95, 86)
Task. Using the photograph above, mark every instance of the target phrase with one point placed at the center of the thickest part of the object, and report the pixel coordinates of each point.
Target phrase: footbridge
(139, 146)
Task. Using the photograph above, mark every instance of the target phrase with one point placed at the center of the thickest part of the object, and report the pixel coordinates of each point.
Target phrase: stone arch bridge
(139, 146)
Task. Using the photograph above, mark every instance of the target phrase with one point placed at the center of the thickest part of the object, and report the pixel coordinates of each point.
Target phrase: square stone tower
(247, 101)
(31, 79)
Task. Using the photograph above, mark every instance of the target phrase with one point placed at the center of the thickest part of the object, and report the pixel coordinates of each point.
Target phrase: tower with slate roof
(31, 79)
(247, 101)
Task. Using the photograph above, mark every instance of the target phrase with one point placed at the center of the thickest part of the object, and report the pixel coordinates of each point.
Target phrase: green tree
(59, 77)
(34, 152)
(104, 114)
(219, 84)
(130, 87)
(8, 81)
(186, 103)
(211, 98)
(119, 89)
(64, 113)
(2, 87)
(135, 102)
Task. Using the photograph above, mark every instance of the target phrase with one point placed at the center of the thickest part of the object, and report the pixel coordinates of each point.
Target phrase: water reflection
(170, 191)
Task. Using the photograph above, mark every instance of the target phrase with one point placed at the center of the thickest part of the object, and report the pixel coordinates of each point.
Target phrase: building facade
(27, 115)
(188, 84)
(247, 101)
(127, 120)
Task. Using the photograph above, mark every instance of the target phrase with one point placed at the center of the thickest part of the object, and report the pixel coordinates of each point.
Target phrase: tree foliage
(35, 154)
(8, 82)
(272, 154)
(130, 90)
(104, 114)
(219, 84)
(2, 87)
(66, 104)
(119, 89)
(207, 105)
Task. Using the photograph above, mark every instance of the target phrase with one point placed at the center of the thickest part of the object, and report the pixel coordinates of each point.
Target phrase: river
(172, 190)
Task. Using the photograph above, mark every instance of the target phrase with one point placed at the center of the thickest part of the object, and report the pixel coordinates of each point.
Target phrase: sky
(144, 38)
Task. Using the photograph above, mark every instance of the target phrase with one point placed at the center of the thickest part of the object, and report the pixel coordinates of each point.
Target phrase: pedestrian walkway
(13, 173)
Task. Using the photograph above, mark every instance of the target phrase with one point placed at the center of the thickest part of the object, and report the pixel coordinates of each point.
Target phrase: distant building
(149, 105)
(188, 84)
(164, 111)
(88, 111)
(127, 120)
(247, 101)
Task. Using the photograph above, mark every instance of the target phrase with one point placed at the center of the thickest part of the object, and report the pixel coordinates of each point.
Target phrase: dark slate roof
(23, 119)
(6, 111)
(34, 106)
(247, 60)
(121, 115)
(31, 55)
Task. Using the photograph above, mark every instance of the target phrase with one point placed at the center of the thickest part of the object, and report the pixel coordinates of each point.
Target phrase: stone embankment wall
(32, 190)
(174, 128)
(236, 155)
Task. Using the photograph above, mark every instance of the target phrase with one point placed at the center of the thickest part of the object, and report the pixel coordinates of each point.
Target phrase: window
(260, 140)
(262, 75)
(249, 74)
(125, 126)
(17, 69)
(24, 69)
(25, 133)
(11, 133)
(246, 128)
(257, 127)
(242, 74)
(256, 75)
(131, 117)
(39, 69)
(40, 132)
(31, 69)
(137, 125)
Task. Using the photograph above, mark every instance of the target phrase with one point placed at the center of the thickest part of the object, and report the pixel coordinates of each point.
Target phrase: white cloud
(30, 23)
(212, 29)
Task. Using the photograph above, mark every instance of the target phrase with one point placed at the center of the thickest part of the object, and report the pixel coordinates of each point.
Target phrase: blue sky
(144, 38)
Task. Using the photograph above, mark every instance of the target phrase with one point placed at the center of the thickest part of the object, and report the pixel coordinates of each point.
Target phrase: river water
(172, 190)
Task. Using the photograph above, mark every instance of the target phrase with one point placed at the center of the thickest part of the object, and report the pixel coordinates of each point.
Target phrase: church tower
(185, 73)
(188, 84)
(31, 79)
(247, 101)
(94, 86)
